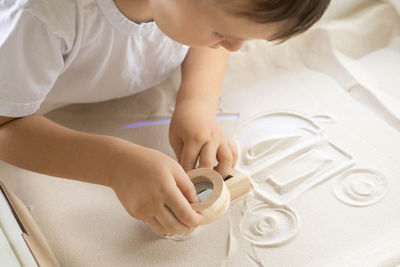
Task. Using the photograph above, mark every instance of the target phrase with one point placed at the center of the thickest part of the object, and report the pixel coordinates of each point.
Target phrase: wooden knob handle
(233, 186)
(238, 183)
(217, 203)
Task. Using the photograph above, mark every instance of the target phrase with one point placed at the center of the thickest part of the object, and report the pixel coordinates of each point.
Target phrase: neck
(138, 11)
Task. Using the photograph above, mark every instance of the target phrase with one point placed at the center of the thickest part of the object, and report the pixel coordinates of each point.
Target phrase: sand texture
(317, 124)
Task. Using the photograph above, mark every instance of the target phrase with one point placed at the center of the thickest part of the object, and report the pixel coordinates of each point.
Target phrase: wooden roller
(212, 208)
(238, 184)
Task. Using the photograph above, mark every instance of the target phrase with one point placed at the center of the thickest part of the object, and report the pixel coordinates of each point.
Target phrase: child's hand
(154, 188)
(194, 133)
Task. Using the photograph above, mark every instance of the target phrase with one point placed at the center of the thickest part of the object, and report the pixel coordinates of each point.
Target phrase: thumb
(186, 186)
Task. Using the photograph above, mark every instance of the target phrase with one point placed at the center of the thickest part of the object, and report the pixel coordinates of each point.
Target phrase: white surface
(332, 77)
(7, 256)
(13, 247)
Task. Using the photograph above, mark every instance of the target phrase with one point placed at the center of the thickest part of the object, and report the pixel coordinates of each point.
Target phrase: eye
(218, 35)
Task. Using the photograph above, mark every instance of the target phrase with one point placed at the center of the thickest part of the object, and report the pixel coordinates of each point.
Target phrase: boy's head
(229, 23)
(294, 16)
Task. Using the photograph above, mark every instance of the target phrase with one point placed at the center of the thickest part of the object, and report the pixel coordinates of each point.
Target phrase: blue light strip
(228, 117)
(146, 123)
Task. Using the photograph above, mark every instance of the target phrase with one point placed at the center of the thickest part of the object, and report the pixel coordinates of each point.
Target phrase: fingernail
(196, 198)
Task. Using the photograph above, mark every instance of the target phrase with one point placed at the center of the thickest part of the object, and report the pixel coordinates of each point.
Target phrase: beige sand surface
(318, 131)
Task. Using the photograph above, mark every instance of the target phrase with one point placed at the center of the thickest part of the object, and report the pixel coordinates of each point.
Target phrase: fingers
(185, 185)
(208, 155)
(234, 154)
(181, 208)
(189, 155)
(225, 159)
(225, 153)
(156, 226)
(175, 215)
(170, 223)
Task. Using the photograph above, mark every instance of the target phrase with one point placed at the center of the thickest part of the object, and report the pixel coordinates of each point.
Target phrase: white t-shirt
(76, 51)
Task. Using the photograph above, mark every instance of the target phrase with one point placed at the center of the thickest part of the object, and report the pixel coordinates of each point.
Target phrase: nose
(231, 45)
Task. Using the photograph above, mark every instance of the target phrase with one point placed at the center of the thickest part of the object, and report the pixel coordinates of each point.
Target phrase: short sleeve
(31, 60)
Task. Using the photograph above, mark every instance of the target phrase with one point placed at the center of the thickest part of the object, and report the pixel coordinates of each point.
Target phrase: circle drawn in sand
(360, 187)
(264, 225)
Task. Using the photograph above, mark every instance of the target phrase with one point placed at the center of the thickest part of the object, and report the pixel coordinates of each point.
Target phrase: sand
(316, 121)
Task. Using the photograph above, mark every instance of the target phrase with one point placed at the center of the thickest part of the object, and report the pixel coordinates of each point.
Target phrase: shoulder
(58, 17)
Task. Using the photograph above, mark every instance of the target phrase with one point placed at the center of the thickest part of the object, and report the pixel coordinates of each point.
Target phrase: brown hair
(296, 16)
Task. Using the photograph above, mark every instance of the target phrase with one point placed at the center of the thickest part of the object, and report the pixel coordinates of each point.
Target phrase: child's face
(203, 24)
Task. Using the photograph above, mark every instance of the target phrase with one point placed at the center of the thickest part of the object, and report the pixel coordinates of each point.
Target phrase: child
(71, 51)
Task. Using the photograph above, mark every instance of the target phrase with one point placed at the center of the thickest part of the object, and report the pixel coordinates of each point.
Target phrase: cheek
(202, 36)
(178, 29)
(188, 34)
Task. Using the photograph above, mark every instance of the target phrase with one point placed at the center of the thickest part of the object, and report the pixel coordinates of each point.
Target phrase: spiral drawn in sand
(264, 225)
(360, 187)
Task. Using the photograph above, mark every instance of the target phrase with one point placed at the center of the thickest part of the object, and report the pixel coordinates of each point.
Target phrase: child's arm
(194, 130)
(148, 183)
